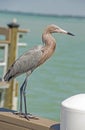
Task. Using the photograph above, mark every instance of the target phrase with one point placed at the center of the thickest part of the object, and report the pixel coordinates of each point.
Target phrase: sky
(60, 7)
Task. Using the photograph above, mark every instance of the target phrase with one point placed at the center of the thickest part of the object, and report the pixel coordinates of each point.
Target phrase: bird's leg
(21, 94)
(26, 115)
(21, 90)
(24, 95)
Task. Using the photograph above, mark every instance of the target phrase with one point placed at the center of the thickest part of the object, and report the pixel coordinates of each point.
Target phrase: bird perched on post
(33, 58)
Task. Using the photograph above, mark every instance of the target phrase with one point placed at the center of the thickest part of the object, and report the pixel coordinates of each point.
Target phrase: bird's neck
(48, 40)
(48, 48)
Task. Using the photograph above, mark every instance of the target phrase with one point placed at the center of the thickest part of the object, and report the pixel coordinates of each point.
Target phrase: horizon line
(42, 14)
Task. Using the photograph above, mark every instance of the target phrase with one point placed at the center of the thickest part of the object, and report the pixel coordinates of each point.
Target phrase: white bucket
(73, 113)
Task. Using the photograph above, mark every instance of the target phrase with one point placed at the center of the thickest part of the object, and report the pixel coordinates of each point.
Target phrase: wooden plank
(4, 31)
(8, 118)
(7, 33)
(6, 126)
(23, 30)
(4, 84)
(5, 41)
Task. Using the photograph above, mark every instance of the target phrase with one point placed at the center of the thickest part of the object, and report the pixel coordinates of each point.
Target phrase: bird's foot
(27, 116)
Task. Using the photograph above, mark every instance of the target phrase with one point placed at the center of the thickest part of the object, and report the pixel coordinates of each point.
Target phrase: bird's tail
(7, 76)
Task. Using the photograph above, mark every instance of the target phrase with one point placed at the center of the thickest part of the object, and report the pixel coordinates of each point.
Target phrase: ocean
(63, 75)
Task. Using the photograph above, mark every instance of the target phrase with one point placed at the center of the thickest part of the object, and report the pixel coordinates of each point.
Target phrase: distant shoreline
(40, 14)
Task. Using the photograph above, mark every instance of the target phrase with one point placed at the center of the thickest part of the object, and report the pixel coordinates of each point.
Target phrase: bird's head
(55, 29)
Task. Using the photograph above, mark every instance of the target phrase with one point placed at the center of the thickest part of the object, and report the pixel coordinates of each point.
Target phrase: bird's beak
(65, 32)
(70, 34)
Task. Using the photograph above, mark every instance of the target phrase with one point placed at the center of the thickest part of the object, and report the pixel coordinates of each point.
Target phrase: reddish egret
(30, 60)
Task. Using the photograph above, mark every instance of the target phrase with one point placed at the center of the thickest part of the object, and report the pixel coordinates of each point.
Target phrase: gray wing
(25, 63)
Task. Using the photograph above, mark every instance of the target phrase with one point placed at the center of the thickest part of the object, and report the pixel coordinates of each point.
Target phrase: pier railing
(9, 42)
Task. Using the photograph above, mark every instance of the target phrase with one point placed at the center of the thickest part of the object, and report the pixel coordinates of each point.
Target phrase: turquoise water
(63, 75)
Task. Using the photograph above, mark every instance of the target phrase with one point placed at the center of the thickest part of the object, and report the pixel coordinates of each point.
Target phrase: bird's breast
(46, 53)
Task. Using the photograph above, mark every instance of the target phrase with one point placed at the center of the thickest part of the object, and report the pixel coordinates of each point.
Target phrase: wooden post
(12, 47)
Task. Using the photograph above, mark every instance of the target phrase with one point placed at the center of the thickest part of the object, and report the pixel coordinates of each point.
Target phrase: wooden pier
(10, 121)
